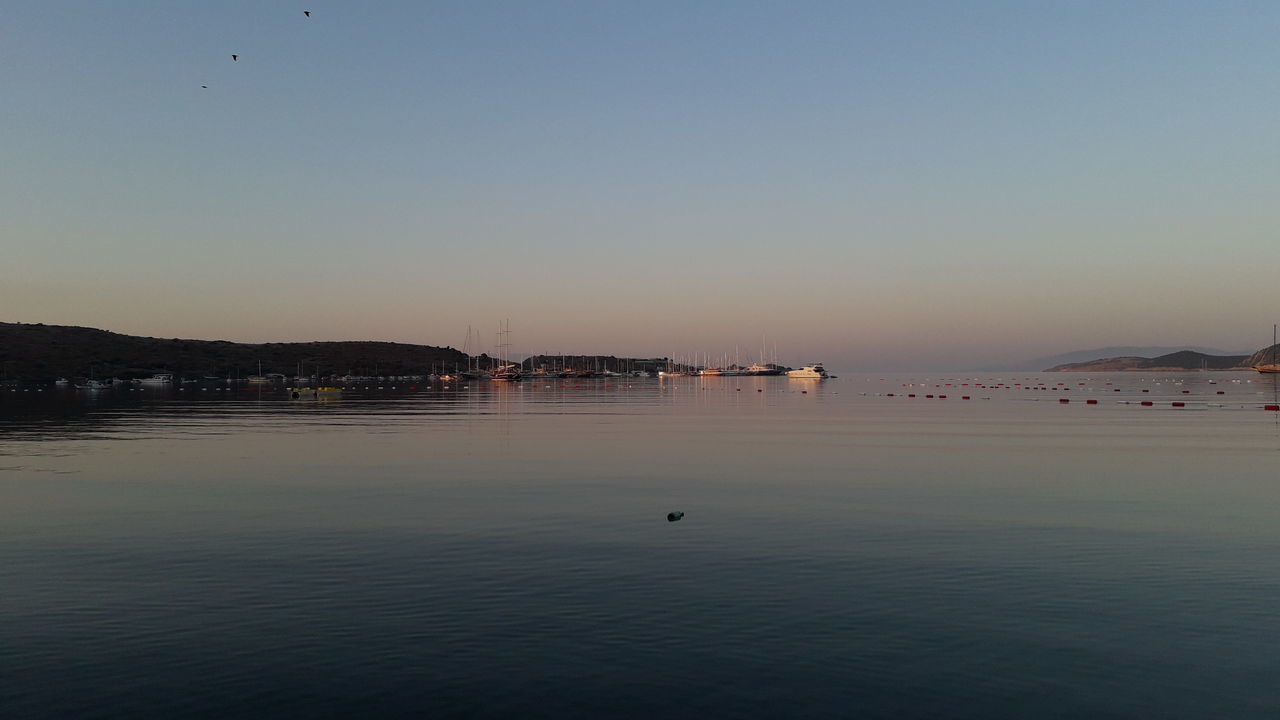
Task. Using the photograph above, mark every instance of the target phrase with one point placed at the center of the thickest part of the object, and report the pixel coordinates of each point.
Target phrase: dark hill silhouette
(1181, 360)
(43, 353)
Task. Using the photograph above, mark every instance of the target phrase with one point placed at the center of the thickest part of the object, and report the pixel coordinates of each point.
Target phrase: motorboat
(811, 372)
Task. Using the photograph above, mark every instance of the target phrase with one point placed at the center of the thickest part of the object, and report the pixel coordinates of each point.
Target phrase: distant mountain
(42, 353)
(1181, 360)
(1078, 356)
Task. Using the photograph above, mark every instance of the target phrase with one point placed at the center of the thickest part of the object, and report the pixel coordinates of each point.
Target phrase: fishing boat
(809, 372)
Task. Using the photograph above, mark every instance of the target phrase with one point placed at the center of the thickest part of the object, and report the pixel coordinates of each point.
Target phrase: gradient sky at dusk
(874, 185)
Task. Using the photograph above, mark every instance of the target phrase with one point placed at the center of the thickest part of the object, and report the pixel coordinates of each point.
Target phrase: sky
(874, 185)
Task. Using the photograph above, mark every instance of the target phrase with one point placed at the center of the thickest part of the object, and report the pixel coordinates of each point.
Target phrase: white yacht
(814, 371)
(158, 379)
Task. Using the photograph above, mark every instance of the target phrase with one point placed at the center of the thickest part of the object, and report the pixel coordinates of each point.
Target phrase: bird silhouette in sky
(235, 58)
(206, 87)
(307, 13)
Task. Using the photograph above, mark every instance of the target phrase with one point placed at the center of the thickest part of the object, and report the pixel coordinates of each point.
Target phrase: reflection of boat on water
(313, 393)
(810, 372)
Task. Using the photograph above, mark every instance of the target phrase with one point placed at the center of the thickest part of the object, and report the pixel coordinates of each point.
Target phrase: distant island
(1171, 362)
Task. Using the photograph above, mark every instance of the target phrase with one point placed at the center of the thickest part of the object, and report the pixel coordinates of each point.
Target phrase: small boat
(758, 369)
(809, 372)
(158, 379)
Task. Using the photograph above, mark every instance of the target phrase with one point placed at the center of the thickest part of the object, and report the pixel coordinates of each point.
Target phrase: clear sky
(871, 184)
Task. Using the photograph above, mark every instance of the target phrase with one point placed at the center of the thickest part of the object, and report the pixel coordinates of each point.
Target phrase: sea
(929, 545)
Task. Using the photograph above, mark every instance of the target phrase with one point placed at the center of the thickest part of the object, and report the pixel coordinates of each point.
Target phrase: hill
(1181, 360)
(1081, 356)
(43, 353)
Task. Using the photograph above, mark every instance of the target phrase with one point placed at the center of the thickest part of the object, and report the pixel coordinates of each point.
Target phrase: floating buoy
(1145, 390)
(964, 397)
(1186, 392)
(1178, 404)
(928, 396)
(1146, 403)
(911, 394)
(1273, 408)
(1090, 402)
(1221, 392)
(1064, 400)
(942, 397)
(674, 516)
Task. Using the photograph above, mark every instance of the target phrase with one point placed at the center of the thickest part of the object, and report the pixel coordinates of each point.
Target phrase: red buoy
(1146, 403)
(1274, 408)
(1090, 402)
(1064, 400)
(1178, 404)
(964, 397)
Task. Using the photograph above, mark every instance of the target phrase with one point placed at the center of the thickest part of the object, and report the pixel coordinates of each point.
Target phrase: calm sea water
(504, 551)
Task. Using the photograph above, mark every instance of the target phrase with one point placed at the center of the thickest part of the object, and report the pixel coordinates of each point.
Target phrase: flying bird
(235, 58)
(307, 13)
(206, 87)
